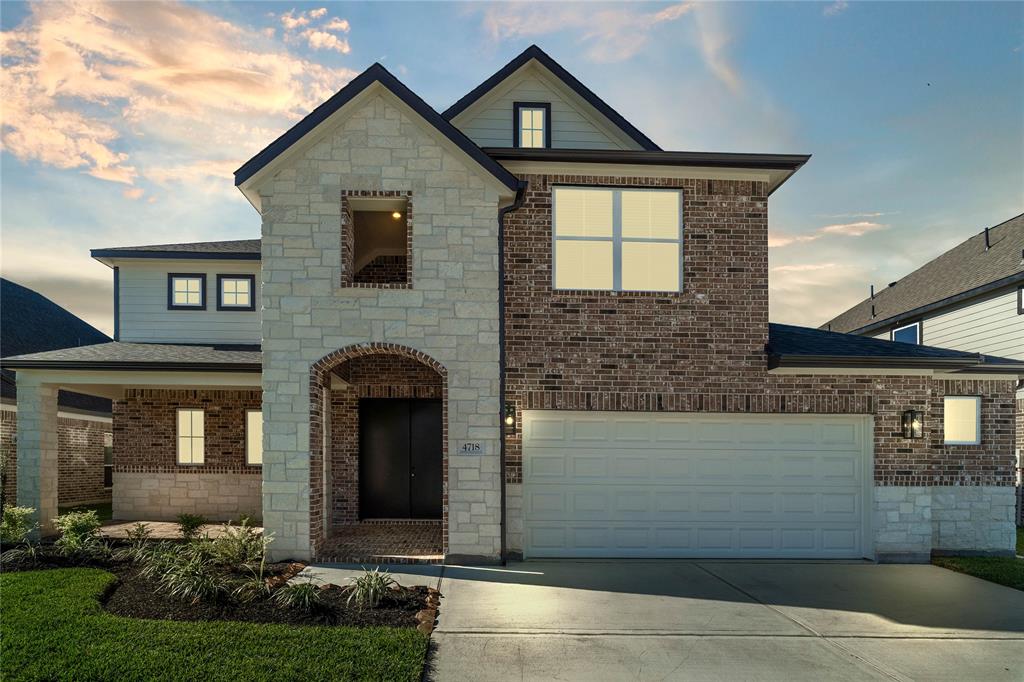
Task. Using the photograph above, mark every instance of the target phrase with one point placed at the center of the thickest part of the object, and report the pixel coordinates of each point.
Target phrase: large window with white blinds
(617, 239)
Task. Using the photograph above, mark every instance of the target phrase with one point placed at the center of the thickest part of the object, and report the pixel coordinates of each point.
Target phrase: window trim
(247, 462)
(617, 239)
(178, 436)
(221, 306)
(516, 132)
(171, 276)
(977, 420)
(920, 332)
(1020, 300)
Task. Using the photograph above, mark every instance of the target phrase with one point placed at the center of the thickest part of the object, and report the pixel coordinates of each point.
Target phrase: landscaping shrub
(190, 524)
(305, 596)
(16, 523)
(239, 546)
(138, 538)
(26, 555)
(80, 535)
(369, 588)
(195, 578)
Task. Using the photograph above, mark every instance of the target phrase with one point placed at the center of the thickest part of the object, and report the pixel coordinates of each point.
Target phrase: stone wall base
(163, 496)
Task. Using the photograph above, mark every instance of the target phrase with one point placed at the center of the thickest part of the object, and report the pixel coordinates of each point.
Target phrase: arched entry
(378, 454)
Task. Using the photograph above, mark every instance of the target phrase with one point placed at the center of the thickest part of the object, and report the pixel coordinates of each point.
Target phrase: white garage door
(628, 484)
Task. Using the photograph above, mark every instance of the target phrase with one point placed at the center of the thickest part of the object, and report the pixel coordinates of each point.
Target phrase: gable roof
(535, 53)
(791, 346)
(965, 271)
(237, 249)
(32, 323)
(375, 74)
(118, 355)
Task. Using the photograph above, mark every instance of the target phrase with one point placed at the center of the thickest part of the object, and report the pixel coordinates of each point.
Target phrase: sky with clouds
(122, 122)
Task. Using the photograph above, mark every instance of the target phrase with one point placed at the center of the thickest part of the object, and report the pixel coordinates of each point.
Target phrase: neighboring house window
(617, 239)
(108, 460)
(191, 440)
(186, 291)
(531, 124)
(961, 420)
(236, 292)
(911, 333)
(1020, 300)
(253, 437)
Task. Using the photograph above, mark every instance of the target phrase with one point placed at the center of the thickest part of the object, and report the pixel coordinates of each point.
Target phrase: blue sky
(122, 123)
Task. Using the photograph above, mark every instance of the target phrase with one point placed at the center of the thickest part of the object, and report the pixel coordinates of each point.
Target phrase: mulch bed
(135, 596)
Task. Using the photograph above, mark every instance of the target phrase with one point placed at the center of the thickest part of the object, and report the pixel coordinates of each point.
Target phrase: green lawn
(1005, 571)
(104, 510)
(53, 628)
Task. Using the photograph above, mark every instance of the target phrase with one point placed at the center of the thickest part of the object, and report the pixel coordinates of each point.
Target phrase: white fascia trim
(63, 414)
(895, 372)
(251, 187)
(111, 384)
(633, 170)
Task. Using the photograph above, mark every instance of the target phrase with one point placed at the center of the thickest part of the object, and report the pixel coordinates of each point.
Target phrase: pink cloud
(322, 40)
(856, 229)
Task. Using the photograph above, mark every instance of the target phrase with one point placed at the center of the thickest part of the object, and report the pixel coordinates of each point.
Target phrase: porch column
(37, 450)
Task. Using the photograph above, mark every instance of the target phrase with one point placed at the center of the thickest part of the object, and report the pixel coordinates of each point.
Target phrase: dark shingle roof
(30, 323)
(145, 356)
(236, 249)
(805, 347)
(967, 267)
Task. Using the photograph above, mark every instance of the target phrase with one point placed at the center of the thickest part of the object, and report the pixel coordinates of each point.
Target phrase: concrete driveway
(593, 620)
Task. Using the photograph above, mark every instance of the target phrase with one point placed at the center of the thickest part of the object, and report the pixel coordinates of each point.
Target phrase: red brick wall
(349, 278)
(374, 376)
(79, 454)
(1020, 447)
(145, 430)
(383, 270)
(702, 349)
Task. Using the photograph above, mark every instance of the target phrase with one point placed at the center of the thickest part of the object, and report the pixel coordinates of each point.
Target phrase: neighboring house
(31, 323)
(519, 327)
(970, 298)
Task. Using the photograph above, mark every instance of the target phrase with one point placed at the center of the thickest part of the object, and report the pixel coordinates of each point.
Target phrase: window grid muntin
(617, 239)
(536, 133)
(191, 288)
(230, 293)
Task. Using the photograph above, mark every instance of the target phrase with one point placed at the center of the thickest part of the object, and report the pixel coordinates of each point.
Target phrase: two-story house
(969, 298)
(519, 327)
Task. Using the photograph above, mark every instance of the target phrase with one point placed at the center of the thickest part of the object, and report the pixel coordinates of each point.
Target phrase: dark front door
(400, 444)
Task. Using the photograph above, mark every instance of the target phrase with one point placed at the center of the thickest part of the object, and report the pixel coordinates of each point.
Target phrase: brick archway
(322, 510)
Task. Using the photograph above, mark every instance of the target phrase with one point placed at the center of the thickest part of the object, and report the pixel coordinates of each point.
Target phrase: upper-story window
(910, 333)
(1020, 300)
(186, 291)
(617, 239)
(531, 124)
(236, 292)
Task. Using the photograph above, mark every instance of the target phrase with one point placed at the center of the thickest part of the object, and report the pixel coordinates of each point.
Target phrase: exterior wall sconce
(510, 418)
(913, 424)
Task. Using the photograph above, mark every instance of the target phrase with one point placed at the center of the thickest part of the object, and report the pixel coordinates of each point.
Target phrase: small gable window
(236, 292)
(910, 333)
(532, 125)
(186, 291)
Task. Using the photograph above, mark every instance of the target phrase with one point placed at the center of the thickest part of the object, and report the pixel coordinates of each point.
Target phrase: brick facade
(148, 481)
(80, 444)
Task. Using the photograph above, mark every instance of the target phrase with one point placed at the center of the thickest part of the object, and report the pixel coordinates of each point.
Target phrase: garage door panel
(664, 485)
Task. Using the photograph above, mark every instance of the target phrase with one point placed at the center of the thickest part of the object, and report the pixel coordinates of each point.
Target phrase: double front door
(400, 455)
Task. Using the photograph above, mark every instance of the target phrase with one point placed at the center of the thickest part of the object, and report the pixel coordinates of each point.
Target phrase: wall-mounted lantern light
(913, 424)
(510, 418)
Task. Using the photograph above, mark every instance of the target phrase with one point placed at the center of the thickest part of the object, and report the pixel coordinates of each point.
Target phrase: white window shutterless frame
(597, 234)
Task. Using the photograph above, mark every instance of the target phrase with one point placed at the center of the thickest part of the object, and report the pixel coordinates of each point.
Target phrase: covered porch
(160, 469)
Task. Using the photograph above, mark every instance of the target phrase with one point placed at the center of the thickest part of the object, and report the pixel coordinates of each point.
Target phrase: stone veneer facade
(702, 350)
(80, 444)
(447, 315)
(149, 484)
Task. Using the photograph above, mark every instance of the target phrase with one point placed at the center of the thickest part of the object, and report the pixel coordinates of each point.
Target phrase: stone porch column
(37, 450)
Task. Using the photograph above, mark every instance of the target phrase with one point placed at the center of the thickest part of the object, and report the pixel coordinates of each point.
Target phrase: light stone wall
(974, 519)
(162, 496)
(902, 523)
(37, 450)
(450, 312)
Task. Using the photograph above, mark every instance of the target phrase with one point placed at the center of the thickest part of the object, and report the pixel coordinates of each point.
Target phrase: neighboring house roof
(29, 323)
(790, 346)
(375, 74)
(534, 52)
(963, 272)
(117, 355)
(236, 249)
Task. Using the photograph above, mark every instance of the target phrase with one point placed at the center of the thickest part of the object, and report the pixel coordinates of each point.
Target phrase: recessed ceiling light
(396, 215)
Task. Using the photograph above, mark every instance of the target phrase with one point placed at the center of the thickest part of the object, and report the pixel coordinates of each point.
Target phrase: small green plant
(305, 596)
(195, 578)
(138, 537)
(26, 555)
(16, 524)
(239, 546)
(253, 586)
(80, 535)
(157, 558)
(190, 525)
(369, 588)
